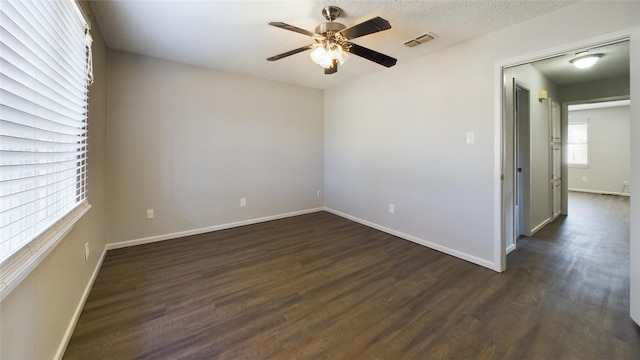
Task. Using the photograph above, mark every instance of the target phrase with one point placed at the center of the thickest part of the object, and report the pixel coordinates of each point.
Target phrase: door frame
(501, 201)
(503, 179)
(521, 161)
(553, 200)
(565, 126)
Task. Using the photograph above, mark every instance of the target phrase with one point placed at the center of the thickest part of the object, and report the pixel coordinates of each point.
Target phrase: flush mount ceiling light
(585, 60)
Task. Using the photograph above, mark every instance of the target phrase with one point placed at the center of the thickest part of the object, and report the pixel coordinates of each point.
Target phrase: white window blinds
(44, 70)
(577, 144)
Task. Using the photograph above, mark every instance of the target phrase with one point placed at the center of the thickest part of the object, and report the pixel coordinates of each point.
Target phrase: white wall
(35, 317)
(539, 207)
(608, 151)
(614, 87)
(189, 142)
(399, 136)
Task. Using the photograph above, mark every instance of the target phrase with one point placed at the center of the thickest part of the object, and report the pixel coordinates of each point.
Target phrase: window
(577, 149)
(45, 68)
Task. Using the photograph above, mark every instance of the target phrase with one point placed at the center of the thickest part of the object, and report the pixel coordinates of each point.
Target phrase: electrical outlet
(470, 137)
(150, 214)
(86, 251)
(584, 178)
(243, 201)
(392, 209)
(625, 183)
(319, 192)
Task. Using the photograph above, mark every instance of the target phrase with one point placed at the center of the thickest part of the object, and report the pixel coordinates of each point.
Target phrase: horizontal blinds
(43, 117)
(577, 143)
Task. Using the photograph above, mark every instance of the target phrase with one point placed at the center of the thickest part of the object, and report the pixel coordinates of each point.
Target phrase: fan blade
(372, 55)
(292, 28)
(333, 69)
(292, 52)
(368, 27)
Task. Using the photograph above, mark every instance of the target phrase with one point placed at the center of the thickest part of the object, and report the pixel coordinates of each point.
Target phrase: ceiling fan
(332, 41)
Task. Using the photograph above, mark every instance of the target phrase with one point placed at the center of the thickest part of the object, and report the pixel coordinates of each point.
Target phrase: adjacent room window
(577, 144)
(45, 68)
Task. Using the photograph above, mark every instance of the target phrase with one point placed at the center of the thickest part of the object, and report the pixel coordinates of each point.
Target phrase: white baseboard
(122, 244)
(510, 248)
(79, 307)
(419, 241)
(179, 234)
(600, 192)
(76, 315)
(540, 226)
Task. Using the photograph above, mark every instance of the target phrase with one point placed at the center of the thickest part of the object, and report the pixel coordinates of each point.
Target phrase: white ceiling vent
(420, 40)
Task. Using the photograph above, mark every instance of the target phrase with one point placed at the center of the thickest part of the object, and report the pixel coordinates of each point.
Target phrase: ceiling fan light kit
(585, 60)
(326, 55)
(332, 45)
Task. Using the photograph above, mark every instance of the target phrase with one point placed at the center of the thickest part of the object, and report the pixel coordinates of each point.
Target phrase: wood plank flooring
(318, 286)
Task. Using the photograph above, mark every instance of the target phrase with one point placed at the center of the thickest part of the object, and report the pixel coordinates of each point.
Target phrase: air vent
(420, 40)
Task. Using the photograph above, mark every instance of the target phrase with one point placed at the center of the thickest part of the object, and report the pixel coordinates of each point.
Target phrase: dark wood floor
(319, 286)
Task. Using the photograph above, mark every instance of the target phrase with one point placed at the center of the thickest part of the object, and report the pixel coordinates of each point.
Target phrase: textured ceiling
(234, 36)
(614, 63)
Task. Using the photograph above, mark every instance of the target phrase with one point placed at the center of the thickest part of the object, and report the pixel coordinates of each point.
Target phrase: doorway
(527, 207)
(522, 147)
(598, 146)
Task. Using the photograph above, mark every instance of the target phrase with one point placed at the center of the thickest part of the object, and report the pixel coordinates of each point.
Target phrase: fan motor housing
(329, 27)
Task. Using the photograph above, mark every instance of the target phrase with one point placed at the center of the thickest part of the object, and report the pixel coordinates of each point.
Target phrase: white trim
(542, 224)
(544, 54)
(510, 248)
(152, 239)
(417, 240)
(599, 105)
(634, 212)
(76, 315)
(444, 249)
(19, 265)
(600, 192)
(499, 233)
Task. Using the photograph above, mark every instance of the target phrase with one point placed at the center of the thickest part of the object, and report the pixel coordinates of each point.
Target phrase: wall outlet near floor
(319, 192)
(584, 178)
(243, 201)
(86, 251)
(150, 214)
(470, 137)
(392, 209)
(625, 183)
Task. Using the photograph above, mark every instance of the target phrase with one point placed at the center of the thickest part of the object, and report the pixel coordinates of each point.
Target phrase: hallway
(585, 258)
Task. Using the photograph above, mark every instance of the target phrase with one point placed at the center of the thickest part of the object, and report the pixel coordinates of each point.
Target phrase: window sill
(19, 265)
